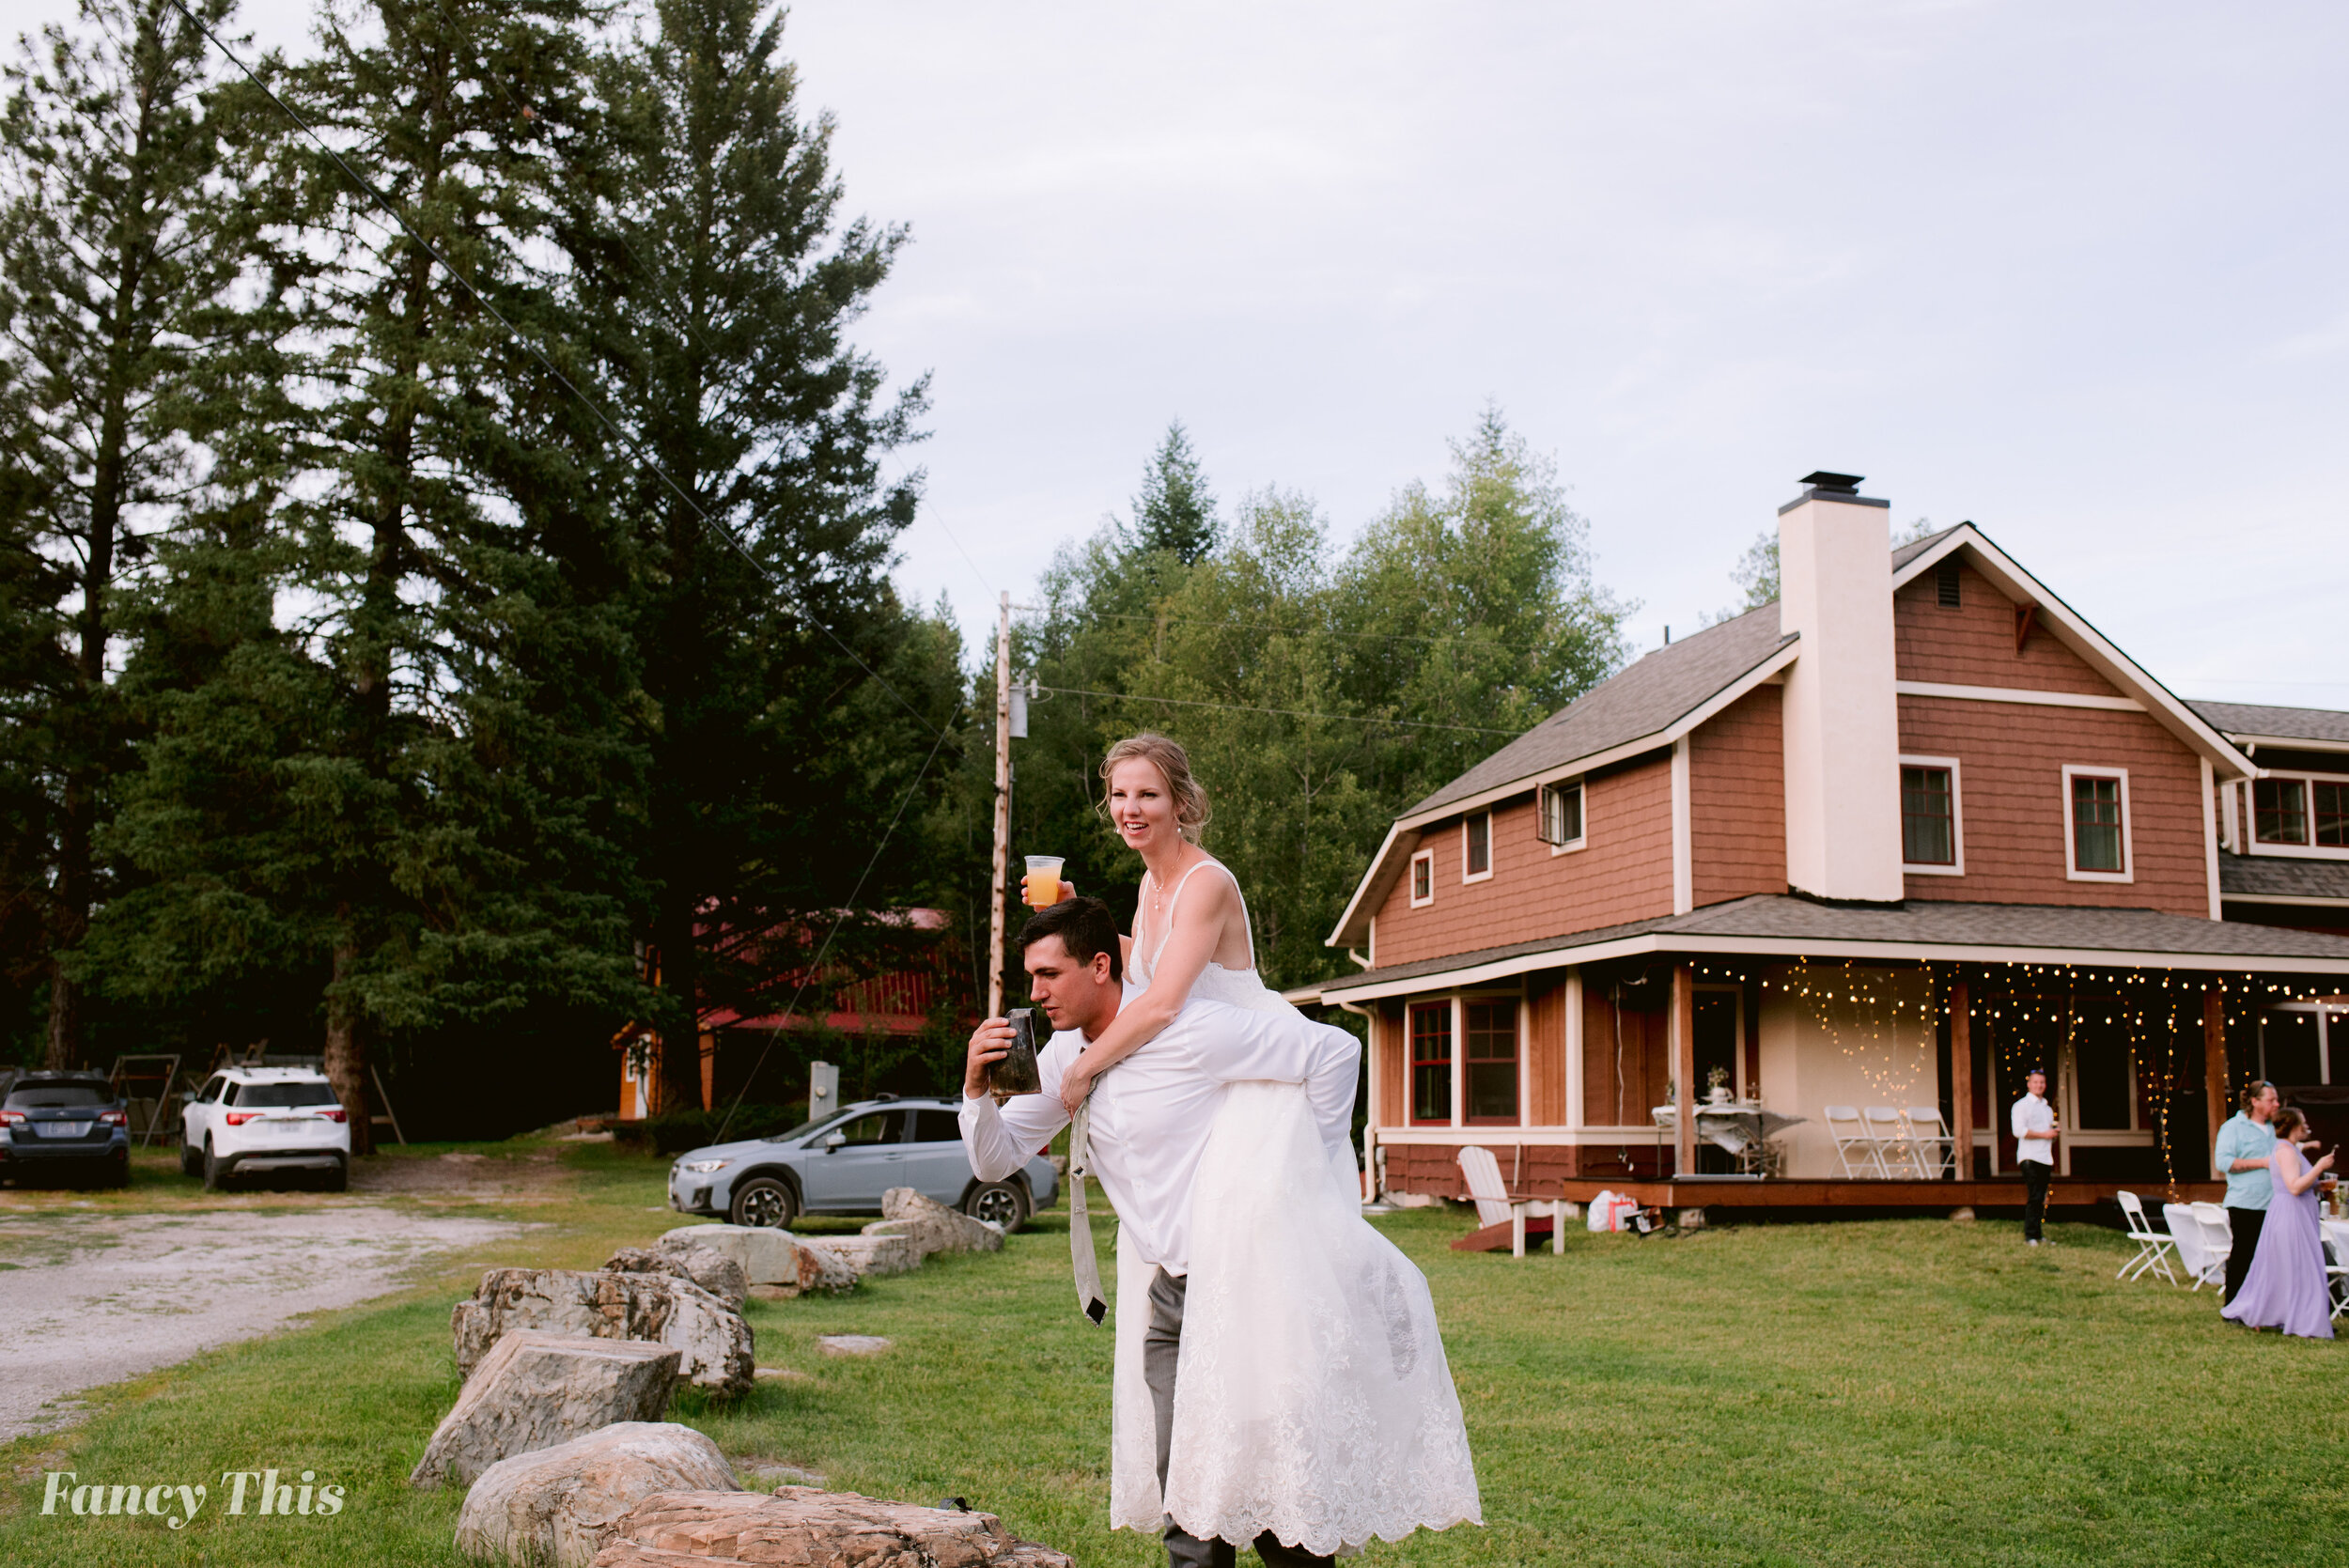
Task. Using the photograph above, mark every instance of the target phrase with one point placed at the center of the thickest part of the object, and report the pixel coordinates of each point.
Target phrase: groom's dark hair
(1085, 928)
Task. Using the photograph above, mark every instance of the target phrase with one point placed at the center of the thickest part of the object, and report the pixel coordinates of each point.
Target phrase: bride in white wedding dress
(1312, 1397)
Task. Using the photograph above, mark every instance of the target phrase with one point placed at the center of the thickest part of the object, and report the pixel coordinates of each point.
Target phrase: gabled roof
(2313, 729)
(2066, 625)
(1648, 705)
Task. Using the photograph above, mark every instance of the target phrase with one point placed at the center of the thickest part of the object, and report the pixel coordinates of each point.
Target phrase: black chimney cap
(1834, 483)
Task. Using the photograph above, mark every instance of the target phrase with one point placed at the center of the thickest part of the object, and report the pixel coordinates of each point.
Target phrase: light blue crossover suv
(842, 1164)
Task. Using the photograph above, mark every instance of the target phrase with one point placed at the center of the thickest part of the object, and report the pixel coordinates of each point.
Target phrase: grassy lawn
(1867, 1393)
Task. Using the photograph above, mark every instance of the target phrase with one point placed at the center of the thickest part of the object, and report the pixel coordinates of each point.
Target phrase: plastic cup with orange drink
(1043, 881)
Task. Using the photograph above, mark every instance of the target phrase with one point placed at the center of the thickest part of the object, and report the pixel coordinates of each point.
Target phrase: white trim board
(2027, 695)
(1781, 947)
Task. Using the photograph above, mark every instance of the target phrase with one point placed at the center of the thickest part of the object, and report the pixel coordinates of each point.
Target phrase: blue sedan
(842, 1164)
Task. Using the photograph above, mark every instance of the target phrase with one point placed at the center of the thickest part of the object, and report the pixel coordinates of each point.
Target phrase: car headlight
(703, 1167)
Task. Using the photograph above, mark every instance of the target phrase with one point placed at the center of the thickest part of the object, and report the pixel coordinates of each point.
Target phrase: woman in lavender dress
(2286, 1287)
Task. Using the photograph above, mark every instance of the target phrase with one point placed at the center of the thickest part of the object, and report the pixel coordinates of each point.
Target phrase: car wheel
(215, 1178)
(1003, 1204)
(337, 1179)
(191, 1162)
(764, 1201)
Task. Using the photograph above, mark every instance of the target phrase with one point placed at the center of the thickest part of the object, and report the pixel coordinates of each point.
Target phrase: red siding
(1545, 1051)
(2011, 760)
(1624, 874)
(1737, 800)
(1974, 644)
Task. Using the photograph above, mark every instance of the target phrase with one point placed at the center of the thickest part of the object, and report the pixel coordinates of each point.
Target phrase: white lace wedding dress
(1312, 1396)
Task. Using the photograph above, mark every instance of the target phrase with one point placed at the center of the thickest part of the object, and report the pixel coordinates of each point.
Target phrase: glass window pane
(1570, 815)
(2280, 811)
(2288, 1037)
(2100, 1064)
(879, 1126)
(1480, 844)
(2332, 814)
(2096, 824)
(1423, 879)
(1928, 816)
(1491, 1068)
(1431, 1062)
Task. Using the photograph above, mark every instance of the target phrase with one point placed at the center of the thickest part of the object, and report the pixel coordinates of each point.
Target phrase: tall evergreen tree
(724, 278)
(119, 247)
(1176, 510)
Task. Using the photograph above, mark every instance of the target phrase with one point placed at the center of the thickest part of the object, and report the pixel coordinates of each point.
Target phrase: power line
(634, 446)
(1315, 631)
(815, 965)
(1282, 712)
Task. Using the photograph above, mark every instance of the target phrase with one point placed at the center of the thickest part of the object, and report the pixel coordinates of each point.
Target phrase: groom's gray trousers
(1160, 1348)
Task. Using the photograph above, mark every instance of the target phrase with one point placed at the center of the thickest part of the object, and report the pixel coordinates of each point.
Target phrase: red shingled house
(1891, 841)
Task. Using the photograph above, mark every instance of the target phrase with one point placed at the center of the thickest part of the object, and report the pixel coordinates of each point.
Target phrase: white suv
(248, 1119)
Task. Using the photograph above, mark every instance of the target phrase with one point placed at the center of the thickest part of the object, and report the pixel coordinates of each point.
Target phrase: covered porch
(1647, 1060)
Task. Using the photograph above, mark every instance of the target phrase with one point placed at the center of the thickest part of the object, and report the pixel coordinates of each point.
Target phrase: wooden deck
(1846, 1193)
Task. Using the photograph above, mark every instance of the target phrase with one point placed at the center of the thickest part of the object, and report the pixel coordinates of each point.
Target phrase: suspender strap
(1088, 1269)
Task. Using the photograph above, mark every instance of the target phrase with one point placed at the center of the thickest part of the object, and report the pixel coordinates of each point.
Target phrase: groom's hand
(989, 1044)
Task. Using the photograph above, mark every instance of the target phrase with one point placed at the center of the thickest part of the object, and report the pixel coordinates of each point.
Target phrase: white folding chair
(1890, 1139)
(2218, 1241)
(1494, 1205)
(2336, 1274)
(1930, 1139)
(1850, 1134)
(2152, 1247)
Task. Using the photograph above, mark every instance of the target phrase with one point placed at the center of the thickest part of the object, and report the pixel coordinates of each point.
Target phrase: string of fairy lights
(1884, 1021)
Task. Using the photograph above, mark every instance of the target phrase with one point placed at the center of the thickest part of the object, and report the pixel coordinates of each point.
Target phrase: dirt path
(87, 1300)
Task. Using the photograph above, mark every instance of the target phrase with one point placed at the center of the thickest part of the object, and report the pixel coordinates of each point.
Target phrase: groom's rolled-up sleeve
(1000, 1141)
(1234, 1043)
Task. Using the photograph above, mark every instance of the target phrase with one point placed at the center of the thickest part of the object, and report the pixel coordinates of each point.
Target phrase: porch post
(1683, 1043)
(1961, 1079)
(2215, 1060)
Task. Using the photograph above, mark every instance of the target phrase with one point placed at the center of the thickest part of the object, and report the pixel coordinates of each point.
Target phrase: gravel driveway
(86, 1299)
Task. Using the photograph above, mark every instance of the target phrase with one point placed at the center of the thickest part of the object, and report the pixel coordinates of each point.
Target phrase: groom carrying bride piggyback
(1278, 1381)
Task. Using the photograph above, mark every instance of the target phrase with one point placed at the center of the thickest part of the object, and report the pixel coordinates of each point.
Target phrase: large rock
(712, 1340)
(932, 1226)
(532, 1390)
(874, 1254)
(561, 1505)
(716, 1273)
(803, 1525)
(776, 1262)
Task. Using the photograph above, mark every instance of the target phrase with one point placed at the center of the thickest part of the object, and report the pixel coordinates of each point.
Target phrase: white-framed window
(1558, 815)
(2096, 825)
(2299, 813)
(1476, 846)
(1933, 822)
(1422, 878)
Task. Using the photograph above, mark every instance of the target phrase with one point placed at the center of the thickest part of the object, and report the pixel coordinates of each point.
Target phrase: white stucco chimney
(1842, 722)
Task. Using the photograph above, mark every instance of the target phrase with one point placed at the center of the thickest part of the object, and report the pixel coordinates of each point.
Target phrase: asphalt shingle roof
(1642, 700)
(1923, 922)
(2277, 877)
(2292, 724)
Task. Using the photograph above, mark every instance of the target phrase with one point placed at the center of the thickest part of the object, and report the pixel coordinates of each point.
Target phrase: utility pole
(1002, 807)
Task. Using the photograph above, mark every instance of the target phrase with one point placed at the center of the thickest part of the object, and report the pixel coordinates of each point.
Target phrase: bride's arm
(1199, 922)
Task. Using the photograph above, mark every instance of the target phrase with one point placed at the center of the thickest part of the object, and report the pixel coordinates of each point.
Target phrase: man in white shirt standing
(2034, 1121)
(1150, 1117)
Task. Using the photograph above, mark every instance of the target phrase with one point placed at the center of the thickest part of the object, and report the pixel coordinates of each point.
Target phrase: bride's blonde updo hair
(1173, 766)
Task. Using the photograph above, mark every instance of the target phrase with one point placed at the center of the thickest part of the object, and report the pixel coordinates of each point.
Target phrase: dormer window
(2307, 812)
(1476, 847)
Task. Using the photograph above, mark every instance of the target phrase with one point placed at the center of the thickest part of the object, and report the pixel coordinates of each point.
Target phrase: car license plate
(65, 1129)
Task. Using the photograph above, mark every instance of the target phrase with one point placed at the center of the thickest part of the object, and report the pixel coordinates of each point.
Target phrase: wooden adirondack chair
(1504, 1219)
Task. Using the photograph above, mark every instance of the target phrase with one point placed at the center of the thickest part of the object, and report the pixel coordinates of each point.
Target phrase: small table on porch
(1742, 1127)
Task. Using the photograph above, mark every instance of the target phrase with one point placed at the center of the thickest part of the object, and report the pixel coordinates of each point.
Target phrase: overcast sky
(2076, 273)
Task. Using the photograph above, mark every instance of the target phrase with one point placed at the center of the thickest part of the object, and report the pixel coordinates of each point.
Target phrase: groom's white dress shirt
(1151, 1112)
